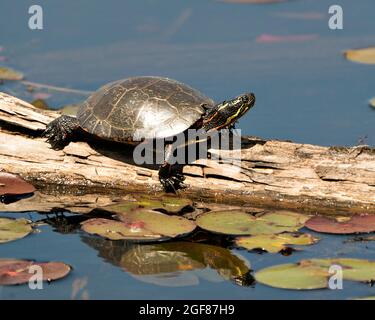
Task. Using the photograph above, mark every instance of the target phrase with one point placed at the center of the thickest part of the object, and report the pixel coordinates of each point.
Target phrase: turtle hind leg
(171, 176)
(60, 131)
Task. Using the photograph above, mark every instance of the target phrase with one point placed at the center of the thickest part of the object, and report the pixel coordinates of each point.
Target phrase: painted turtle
(150, 107)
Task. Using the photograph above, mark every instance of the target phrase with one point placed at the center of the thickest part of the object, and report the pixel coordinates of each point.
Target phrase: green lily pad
(274, 243)
(170, 226)
(10, 74)
(293, 276)
(365, 55)
(166, 203)
(314, 273)
(355, 224)
(11, 184)
(14, 271)
(117, 230)
(13, 229)
(353, 269)
(237, 222)
(141, 225)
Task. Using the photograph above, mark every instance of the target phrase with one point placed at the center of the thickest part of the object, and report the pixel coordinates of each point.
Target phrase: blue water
(306, 92)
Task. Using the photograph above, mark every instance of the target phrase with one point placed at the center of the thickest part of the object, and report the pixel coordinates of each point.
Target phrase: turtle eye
(244, 99)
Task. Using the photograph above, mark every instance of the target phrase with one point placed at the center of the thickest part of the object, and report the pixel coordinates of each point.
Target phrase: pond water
(306, 92)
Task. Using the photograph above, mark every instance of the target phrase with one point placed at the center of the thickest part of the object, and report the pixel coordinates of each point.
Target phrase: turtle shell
(142, 108)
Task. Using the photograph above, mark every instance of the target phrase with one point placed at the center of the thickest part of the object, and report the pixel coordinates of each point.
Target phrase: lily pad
(237, 222)
(166, 203)
(170, 226)
(372, 102)
(11, 184)
(13, 229)
(141, 225)
(117, 230)
(274, 243)
(14, 271)
(353, 269)
(298, 276)
(355, 224)
(365, 55)
(314, 273)
(10, 74)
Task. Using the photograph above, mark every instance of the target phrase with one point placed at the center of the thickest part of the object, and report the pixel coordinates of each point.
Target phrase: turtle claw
(59, 131)
(172, 184)
(171, 180)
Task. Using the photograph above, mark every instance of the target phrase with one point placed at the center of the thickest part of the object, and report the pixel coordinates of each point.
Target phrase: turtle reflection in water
(166, 263)
(148, 108)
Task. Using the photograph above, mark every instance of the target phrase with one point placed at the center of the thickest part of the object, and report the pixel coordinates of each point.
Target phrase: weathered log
(271, 173)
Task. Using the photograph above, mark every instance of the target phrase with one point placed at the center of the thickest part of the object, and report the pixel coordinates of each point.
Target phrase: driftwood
(272, 173)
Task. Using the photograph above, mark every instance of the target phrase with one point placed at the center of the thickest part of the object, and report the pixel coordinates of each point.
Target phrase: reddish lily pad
(11, 184)
(356, 224)
(14, 271)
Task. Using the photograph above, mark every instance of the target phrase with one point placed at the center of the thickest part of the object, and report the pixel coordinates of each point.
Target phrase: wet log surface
(271, 173)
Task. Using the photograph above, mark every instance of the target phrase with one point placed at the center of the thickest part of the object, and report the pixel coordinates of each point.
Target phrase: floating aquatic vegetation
(372, 102)
(365, 55)
(274, 243)
(40, 104)
(11, 184)
(314, 273)
(237, 222)
(140, 225)
(355, 224)
(70, 109)
(13, 229)
(10, 74)
(166, 203)
(269, 38)
(14, 271)
(42, 95)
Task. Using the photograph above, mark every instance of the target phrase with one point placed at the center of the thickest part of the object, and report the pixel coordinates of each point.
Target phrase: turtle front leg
(59, 131)
(170, 176)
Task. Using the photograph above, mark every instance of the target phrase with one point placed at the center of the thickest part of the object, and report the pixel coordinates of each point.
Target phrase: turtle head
(225, 114)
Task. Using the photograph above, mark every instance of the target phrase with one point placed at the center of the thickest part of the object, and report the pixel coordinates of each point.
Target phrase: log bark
(271, 173)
